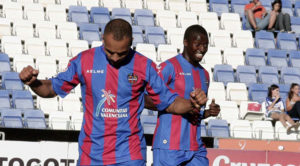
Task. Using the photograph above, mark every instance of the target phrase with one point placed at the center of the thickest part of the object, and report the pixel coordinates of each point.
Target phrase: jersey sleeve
(166, 72)
(65, 81)
(157, 90)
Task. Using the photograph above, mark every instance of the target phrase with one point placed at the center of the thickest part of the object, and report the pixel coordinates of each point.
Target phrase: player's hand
(214, 109)
(198, 98)
(28, 75)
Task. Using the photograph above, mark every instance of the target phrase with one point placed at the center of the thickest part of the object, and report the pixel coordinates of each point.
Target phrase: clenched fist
(28, 75)
(198, 98)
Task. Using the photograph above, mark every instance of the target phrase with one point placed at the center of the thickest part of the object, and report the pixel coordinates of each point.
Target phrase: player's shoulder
(89, 52)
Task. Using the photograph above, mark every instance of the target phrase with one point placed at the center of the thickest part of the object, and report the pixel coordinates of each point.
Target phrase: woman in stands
(275, 109)
(278, 20)
(293, 101)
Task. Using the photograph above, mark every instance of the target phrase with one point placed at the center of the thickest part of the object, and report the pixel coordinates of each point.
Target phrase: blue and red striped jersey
(113, 99)
(175, 132)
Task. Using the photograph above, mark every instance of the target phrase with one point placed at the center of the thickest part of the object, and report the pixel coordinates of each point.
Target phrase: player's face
(196, 48)
(116, 51)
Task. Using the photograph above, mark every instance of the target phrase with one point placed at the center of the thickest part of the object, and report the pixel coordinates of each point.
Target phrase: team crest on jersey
(106, 96)
(132, 78)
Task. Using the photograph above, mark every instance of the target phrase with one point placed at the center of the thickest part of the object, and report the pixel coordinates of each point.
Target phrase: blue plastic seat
(246, 74)
(203, 129)
(143, 17)
(297, 9)
(277, 58)
(137, 33)
(149, 123)
(268, 75)
(286, 41)
(267, 4)
(34, 119)
(238, 6)
(255, 57)
(4, 63)
(264, 40)
(294, 58)
(11, 81)
(295, 24)
(223, 73)
(287, 7)
(78, 14)
(284, 90)
(218, 128)
(4, 99)
(290, 75)
(258, 92)
(11, 118)
(22, 99)
(123, 13)
(100, 15)
(89, 32)
(155, 35)
(219, 6)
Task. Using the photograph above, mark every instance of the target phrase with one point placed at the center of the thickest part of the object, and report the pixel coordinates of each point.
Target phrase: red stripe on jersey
(67, 87)
(155, 98)
(176, 119)
(110, 122)
(87, 61)
(134, 140)
(193, 128)
(207, 76)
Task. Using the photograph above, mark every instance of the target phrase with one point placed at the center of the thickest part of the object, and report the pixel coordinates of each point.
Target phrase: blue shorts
(131, 163)
(163, 157)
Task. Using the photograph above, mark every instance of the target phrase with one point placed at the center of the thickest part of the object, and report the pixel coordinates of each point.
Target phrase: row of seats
(20, 99)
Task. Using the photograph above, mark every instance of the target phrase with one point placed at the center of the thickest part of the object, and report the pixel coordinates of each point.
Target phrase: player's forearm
(180, 106)
(43, 88)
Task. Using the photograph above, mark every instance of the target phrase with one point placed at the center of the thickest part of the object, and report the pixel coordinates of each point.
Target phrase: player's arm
(42, 88)
(214, 110)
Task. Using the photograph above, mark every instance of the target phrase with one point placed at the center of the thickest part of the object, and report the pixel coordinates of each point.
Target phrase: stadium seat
(267, 4)
(246, 74)
(277, 58)
(148, 50)
(90, 3)
(78, 14)
(89, 32)
(100, 15)
(34, 12)
(137, 34)
(133, 4)
(46, 30)
(216, 91)
(209, 21)
(243, 39)
(4, 63)
(34, 119)
(203, 129)
(63, 63)
(111, 4)
(213, 56)
(287, 7)
(166, 19)
(176, 5)
(290, 75)
(248, 113)
(294, 58)
(166, 52)
(186, 19)
(99, 43)
(155, 35)
(59, 120)
(67, 31)
(297, 9)
(295, 24)
(11, 81)
(241, 129)
(77, 46)
(268, 75)
(56, 13)
(220, 39)
(35, 47)
(264, 40)
(149, 123)
(238, 6)
(255, 57)
(11, 118)
(57, 48)
(286, 41)
(229, 111)
(46, 66)
(237, 92)
(21, 61)
(5, 29)
(263, 130)
(143, 17)
(4, 99)
(12, 10)
(281, 134)
(76, 120)
(122, 13)
(258, 92)
(47, 2)
(154, 5)
(234, 57)
(48, 105)
(22, 99)
(284, 90)
(68, 3)
(175, 37)
(223, 73)
(231, 22)
(197, 6)
(219, 6)
(70, 103)
(23, 29)
(218, 128)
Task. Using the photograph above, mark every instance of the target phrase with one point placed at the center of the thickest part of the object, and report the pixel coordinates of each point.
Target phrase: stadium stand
(11, 118)
(246, 74)
(4, 99)
(34, 119)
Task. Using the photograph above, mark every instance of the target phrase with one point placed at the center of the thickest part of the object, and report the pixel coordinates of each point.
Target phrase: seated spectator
(256, 15)
(275, 109)
(293, 101)
(278, 20)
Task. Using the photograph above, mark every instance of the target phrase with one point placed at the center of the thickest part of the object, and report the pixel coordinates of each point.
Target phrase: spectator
(278, 20)
(256, 15)
(293, 101)
(275, 109)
